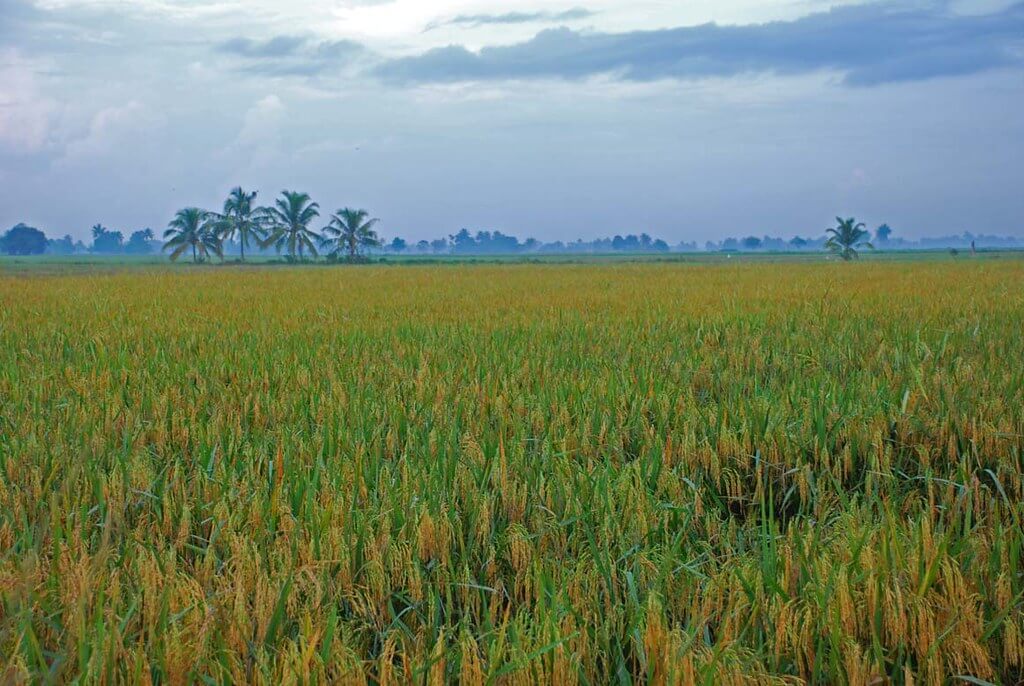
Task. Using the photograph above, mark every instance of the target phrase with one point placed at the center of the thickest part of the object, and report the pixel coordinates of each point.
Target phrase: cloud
(473, 20)
(16, 15)
(176, 10)
(262, 121)
(258, 142)
(112, 128)
(290, 55)
(868, 44)
(25, 113)
(278, 46)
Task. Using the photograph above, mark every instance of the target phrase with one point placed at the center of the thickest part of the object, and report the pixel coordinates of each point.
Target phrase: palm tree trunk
(195, 257)
(241, 238)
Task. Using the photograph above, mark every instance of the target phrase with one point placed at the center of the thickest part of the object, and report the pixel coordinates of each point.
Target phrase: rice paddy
(514, 474)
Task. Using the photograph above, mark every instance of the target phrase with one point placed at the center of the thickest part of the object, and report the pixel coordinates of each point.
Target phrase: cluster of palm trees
(286, 225)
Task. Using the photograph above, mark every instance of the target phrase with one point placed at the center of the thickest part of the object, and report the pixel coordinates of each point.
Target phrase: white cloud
(182, 9)
(26, 114)
(401, 25)
(262, 121)
(258, 143)
(110, 128)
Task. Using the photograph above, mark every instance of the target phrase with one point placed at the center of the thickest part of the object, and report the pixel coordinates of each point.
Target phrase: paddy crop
(751, 473)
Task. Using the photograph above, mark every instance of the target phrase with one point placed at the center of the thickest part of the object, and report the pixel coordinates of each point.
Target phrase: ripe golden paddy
(591, 474)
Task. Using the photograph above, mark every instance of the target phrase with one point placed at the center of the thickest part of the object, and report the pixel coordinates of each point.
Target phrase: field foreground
(751, 473)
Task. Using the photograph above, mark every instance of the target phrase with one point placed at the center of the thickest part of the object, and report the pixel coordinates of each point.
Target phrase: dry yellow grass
(770, 473)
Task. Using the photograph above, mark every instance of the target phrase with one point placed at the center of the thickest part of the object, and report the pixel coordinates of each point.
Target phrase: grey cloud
(13, 13)
(290, 55)
(573, 14)
(278, 46)
(22, 24)
(869, 44)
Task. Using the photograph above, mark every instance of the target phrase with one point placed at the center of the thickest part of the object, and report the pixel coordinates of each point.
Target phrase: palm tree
(352, 230)
(847, 236)
(241, 218)
(192, 228)
(289, 224)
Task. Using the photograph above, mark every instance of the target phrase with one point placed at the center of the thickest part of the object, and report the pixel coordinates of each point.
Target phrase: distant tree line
(28, 240)
(882, 240)
(289, 227)
(497, 243)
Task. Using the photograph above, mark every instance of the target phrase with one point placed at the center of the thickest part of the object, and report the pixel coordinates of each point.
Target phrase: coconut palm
(350, 231)
(241, 219)
(288, 223)
(846, 237)
(192, 228)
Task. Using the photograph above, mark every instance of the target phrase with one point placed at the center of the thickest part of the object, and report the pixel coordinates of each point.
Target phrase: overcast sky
(689, 120)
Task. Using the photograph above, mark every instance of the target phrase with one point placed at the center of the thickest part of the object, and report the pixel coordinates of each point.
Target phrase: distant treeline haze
(294, 226)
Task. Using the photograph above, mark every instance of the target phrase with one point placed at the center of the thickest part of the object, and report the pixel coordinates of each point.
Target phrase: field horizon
(11, 263)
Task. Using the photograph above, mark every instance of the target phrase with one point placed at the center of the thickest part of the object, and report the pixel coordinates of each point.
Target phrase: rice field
(514, 474)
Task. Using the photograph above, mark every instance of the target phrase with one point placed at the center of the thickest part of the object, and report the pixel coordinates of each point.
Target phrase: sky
(688, 119)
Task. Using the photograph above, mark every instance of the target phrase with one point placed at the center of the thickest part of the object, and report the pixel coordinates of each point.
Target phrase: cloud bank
(508, 18)
(290, 55)
(868, 44)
